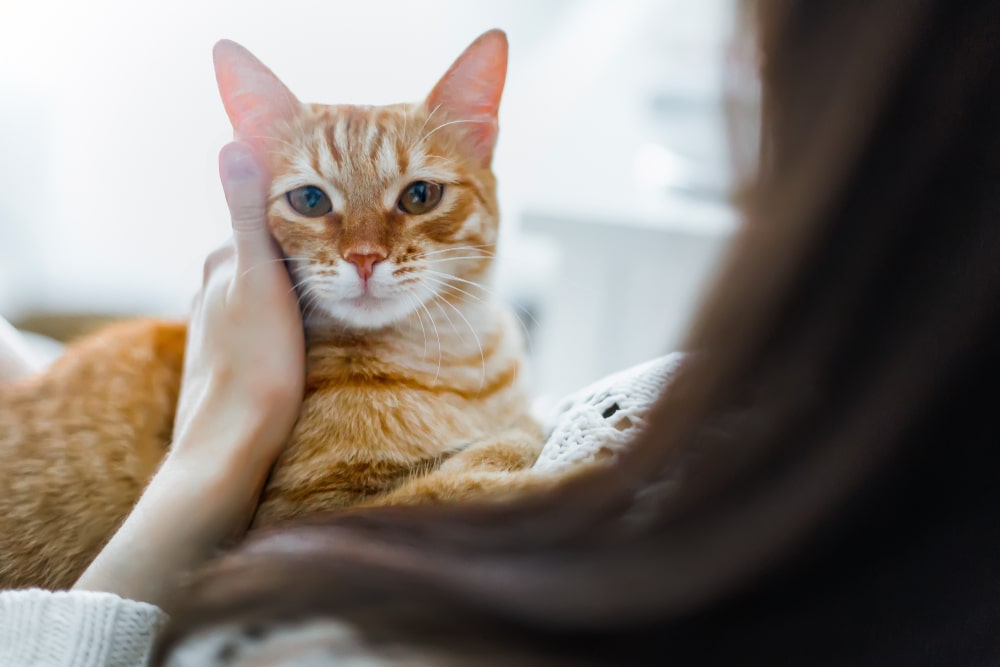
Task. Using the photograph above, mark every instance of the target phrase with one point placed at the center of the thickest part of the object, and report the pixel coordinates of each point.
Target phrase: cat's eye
(309, 201)
(420, 197)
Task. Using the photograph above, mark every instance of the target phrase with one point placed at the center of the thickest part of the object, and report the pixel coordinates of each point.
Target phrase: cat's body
(417, 418)
(388, 217)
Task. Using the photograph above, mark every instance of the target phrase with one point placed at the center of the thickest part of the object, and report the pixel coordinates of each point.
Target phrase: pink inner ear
(255, 100)
(472, 87)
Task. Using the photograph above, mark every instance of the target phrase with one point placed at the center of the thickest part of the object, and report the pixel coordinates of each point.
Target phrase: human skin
(240, 395)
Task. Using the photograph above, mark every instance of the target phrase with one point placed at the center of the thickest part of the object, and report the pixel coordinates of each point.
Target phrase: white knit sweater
(85, 629)
(75, 629)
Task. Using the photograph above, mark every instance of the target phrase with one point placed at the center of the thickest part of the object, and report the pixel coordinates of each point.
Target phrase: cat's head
(381, 211)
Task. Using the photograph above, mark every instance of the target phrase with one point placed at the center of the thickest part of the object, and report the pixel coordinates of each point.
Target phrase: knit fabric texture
(75, 629)
(596, 422)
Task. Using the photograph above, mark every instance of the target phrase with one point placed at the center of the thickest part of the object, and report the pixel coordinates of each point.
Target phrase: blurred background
(612, 160)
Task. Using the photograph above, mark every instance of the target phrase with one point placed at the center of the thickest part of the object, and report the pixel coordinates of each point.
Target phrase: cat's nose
(365, 262)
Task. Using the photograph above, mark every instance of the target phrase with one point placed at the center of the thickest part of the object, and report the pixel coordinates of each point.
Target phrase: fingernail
(238, 162)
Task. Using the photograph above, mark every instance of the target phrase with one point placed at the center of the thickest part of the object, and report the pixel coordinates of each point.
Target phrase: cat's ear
(255, 100)
(470, 91)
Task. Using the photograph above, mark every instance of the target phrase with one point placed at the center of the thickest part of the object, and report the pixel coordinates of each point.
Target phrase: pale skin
(240, 396)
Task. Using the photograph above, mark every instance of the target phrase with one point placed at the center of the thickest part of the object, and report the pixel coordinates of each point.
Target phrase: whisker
(272, 261)
(426, 120)
(496, 296)
(482, 355)
(310, 299)
(420, 318)
(301, 283)
(305, 301)
(459, 289)
(443, 125)
(457, 259)
(437, 335)
(473, 248)
(527, 334)
(312, 303)
(446, 316)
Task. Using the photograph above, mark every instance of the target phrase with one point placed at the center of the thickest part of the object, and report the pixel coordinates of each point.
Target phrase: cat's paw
(594, 424)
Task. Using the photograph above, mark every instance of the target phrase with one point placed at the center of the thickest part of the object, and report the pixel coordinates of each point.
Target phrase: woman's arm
(241, 391)
(240, 396)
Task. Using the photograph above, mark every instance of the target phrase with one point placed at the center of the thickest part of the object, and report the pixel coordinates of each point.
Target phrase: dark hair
(819, 485)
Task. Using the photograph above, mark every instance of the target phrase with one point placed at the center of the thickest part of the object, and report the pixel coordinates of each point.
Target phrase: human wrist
(219, 488)
(173, 528)
(233, 440)
(193, 505)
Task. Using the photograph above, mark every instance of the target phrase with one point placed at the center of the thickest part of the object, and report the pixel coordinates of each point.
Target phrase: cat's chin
(366, 312)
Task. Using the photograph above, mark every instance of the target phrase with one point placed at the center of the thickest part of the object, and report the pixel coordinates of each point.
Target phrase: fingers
(217, 272)
(244, 180)
(221, 254)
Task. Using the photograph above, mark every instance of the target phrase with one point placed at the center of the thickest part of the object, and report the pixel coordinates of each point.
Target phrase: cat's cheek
(279, 229)
(294, 240)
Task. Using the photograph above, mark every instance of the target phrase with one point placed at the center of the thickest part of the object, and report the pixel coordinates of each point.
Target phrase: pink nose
(365, 263)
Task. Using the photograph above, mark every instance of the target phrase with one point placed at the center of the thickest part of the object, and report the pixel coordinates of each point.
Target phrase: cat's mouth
(375, 303)
(368, 310)
(367, 300)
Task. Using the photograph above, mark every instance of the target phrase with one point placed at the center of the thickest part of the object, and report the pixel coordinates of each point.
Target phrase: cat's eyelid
(289, 182)
(395, 191)
(285, 184)
(430, 175)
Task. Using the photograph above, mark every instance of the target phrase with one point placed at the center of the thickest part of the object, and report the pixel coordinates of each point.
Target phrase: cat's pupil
(313, 196)
(418, 193)
(309, 201)
(420, 197)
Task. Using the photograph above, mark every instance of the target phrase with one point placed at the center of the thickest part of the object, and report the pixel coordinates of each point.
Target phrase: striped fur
(412, 388)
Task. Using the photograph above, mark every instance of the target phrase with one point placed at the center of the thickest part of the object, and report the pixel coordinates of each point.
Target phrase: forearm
(180, 520)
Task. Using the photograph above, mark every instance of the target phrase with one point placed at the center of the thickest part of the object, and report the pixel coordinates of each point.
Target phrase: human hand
(245, 357)
(240, 396)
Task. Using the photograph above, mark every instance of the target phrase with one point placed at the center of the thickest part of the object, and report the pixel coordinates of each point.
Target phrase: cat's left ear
(255, 99)
(470, 91)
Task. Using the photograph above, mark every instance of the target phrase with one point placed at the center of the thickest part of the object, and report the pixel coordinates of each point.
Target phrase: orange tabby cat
(388, 218)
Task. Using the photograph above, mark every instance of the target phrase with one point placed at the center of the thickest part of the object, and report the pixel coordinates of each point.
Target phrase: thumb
(245, 183)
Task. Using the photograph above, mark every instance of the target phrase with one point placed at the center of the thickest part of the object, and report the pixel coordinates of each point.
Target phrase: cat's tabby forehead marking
(364, 158)
(400, 184)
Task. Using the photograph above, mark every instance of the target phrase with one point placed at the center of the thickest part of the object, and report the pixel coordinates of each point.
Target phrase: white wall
(110, 126)
(110, 123)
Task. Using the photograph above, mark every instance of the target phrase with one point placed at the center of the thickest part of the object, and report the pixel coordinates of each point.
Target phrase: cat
(388, 219)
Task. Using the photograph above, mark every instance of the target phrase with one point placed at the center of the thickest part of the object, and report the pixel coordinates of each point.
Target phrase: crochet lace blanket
(595, 422)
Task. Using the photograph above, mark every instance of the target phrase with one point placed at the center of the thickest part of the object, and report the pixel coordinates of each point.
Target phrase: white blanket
(595, 422)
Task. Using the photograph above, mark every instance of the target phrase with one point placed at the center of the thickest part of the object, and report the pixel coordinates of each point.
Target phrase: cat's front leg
(494, 468)
(516, 448)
